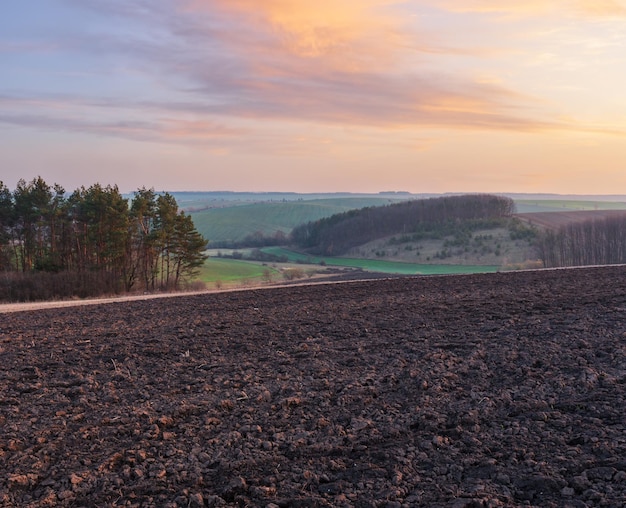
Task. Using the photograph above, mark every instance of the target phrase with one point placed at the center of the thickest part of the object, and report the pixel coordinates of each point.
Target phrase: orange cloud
(345, 34)
(329, 62)
(603, 7)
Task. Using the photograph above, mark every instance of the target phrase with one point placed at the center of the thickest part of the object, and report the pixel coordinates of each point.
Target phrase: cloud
(84, 116)
(212, 70)
(512, 8)
(509, 7)
(341, 61)
(346, 34)
(603, 8)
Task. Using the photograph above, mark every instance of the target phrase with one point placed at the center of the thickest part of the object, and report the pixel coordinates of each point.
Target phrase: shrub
(293, 273)
(194, 285)
(268, 275)
(29, 286)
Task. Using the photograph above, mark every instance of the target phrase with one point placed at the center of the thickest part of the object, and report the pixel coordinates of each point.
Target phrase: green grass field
(225, 272)
(375, 265)
(234, 223)
(220, 270)
(234, 216)
(555, 205)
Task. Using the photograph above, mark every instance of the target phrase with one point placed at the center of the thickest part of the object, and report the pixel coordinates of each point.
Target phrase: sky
(324, 96)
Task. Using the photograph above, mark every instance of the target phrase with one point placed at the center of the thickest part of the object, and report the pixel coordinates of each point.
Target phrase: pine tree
(189, 249)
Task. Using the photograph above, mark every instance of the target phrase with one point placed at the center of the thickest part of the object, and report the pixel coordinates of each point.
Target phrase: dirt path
(349, 276)
(19, 307)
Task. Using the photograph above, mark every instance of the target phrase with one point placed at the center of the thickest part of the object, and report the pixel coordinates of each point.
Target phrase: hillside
(490, 246)
(225, 217)
(228, 223)
(235, 220)
(203, 200)
(573, 203)
(413, 220)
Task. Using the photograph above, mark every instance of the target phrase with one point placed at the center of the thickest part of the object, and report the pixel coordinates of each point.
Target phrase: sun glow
(426, 95)
(350, 35)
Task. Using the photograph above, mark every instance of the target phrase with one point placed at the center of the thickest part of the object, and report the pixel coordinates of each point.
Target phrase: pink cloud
(346, 61)
(345, 35)
(224, 64)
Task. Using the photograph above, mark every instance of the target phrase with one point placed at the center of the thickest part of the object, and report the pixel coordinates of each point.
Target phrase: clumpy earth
(460, 391)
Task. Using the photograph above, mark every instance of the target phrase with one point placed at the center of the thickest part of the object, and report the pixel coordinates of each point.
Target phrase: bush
(519, 230)
(31, 286)
(268, 275)
(293, 273)
(194, 285)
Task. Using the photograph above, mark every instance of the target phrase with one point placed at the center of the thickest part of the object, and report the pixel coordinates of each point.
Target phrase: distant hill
(224, 224)
(555, 220)
(564, 205)
(224, 217)
(441, 216)
(196, 201)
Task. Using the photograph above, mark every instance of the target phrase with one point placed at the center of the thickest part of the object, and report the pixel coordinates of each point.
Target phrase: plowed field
(458, 391)
(554, 220)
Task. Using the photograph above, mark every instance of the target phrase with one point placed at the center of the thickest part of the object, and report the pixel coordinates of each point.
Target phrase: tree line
(591, 242)
(337, 234)
(92, 241)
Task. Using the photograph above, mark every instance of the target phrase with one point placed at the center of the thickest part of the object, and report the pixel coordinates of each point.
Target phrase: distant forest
(337, 234)
(592, 242)
(92, 242)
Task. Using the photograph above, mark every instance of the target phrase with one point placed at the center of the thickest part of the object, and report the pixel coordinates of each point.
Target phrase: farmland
(234, 223)
(376, 265)
(226, 272)
(564, 205)
(479, 390)
(554, 220)
(233, 217)
(220, 272)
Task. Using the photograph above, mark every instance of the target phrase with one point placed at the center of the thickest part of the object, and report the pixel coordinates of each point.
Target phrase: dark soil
(465, 391)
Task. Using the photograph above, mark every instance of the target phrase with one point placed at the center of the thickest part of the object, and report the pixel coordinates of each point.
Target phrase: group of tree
(591, 242)
(92, 241)
(256, 240)
(337, 234)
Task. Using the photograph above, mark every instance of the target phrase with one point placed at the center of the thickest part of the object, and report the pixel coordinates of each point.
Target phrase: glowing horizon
(342, 95)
